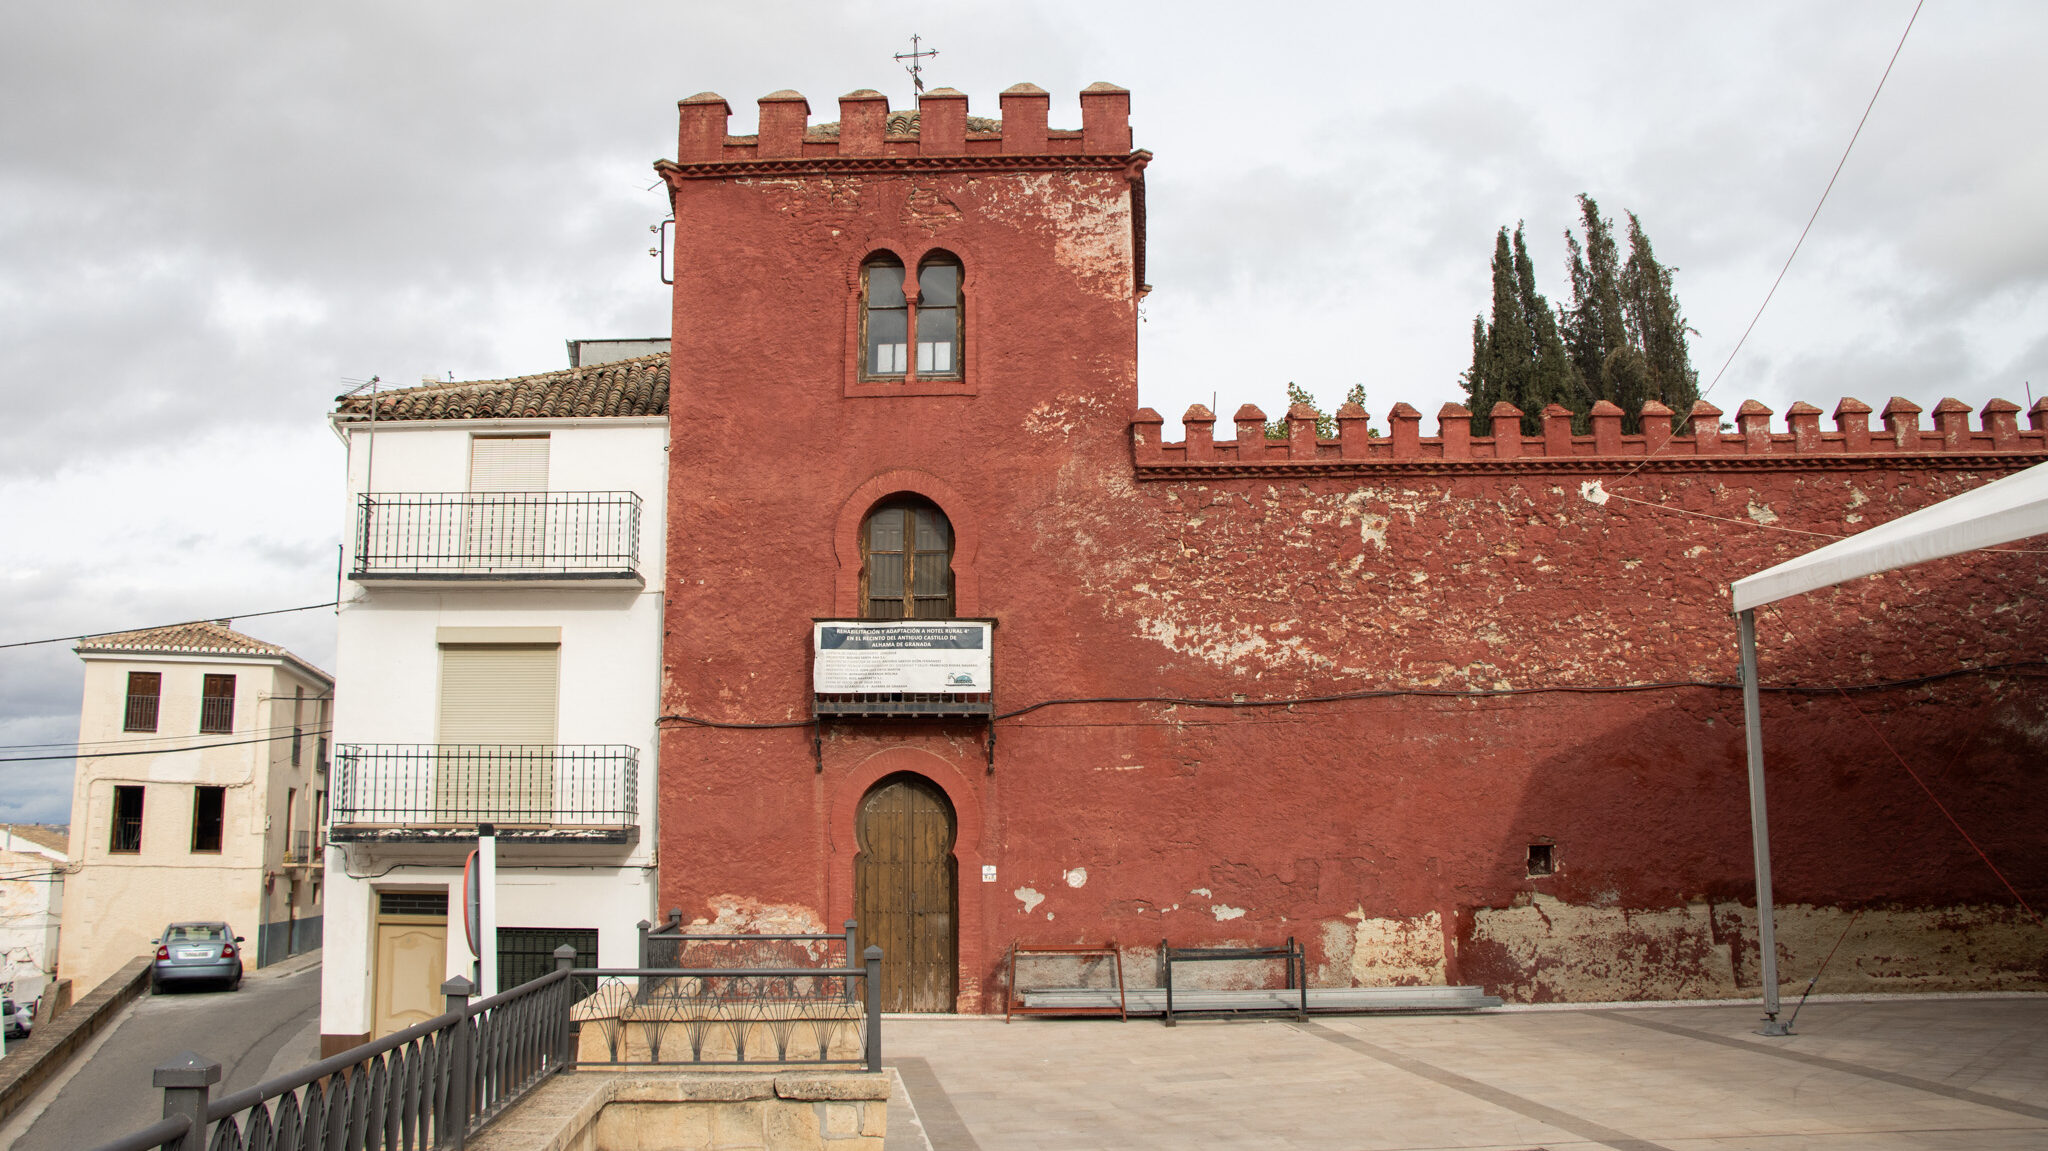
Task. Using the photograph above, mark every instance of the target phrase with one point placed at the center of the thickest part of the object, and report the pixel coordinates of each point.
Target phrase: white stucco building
(32, 870)
(499, 647)
(200, 784)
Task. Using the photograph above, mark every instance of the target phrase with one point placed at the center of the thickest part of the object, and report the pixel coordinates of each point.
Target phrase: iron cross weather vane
(916, 56)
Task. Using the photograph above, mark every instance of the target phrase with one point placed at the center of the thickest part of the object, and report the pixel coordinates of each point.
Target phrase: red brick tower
(805, 256)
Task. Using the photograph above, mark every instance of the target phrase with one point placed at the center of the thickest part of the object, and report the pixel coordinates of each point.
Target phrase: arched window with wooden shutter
(907, 561)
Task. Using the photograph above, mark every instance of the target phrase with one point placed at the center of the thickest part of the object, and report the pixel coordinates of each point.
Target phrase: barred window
(145, 690)
(127, 829)
(217, 705)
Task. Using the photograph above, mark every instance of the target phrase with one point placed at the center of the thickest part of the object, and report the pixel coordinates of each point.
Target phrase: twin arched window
(892, 324)
(906, 561)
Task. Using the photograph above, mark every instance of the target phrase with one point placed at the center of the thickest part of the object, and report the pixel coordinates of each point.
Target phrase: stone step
(1152, 1000)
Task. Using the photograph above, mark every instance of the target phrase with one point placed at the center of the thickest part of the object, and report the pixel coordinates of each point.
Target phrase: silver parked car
(197, 952)
(18, 1021)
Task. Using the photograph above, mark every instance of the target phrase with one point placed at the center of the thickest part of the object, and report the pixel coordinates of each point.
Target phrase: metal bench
(1013, 999)
(1295, 960)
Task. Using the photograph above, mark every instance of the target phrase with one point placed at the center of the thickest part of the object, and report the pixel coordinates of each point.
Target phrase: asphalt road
(273, 1019)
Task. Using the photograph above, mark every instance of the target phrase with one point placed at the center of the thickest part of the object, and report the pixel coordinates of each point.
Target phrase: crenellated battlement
(868, 134)
(1752, 446)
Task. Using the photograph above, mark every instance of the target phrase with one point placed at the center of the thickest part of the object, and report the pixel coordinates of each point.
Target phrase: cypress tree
(1656, 327)
(1510, 342)
(1480, 392)
(1552, 377)
(1595, 327)
(1623, 338)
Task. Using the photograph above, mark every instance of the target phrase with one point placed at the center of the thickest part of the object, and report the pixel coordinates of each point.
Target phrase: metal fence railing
(438, 1082)
(550, 785)
(428, 1086)
(497, 533)
(140, 714)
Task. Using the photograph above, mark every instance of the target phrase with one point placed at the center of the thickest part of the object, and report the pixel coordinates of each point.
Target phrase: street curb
(291, 965)
(50, 1047)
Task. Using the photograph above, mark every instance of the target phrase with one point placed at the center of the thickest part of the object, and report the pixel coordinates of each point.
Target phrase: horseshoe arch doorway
(906, 892)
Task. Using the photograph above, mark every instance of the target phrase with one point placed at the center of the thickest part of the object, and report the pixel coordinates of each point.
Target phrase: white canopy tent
(2004, 510)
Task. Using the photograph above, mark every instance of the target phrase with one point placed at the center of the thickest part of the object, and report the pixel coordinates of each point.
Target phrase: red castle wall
(1388, 831)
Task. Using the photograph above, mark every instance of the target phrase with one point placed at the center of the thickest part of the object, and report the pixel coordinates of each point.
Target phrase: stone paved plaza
(1926, 1072)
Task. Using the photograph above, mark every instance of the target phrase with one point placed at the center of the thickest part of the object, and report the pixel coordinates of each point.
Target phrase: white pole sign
(901, 655)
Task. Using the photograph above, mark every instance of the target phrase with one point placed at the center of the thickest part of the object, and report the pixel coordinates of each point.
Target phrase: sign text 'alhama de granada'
(901, 655)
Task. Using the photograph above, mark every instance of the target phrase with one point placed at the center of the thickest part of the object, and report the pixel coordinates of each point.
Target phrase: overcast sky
(214, 218)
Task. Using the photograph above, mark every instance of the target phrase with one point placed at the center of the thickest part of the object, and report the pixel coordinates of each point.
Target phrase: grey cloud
(212, 214)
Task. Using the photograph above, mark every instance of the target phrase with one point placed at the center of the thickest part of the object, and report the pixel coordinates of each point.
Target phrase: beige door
(497, 733)
(412, 963)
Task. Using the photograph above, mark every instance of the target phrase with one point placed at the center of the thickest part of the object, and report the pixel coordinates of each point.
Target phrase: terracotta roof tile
(206, 638)
(902, 124)
(635, 387)
(55, 836)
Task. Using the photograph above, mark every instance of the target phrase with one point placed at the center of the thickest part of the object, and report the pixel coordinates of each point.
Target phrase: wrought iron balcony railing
(424, 791)
(497, 535)
(141, 714)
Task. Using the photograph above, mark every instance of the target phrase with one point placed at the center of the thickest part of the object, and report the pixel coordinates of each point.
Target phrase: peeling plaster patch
(1372, 529)
(1696, 551)
(740, 915)
(1078, 877)
(1592, 492)
(1557, 951)
(1061, 415)
(1549, 951)
(1201, 891)
(1031, 899)
(1762, 514)
(1856, 497)
(1397, 952)
(1224, 911)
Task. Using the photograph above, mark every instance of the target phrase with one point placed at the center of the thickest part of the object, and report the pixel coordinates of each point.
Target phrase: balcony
(524, 539)
(301, 852)
(429, 792)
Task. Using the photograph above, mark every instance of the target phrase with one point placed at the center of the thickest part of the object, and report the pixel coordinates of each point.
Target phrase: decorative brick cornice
(1998, 443)
(939, 136)
(1586, 465)
(893, 165)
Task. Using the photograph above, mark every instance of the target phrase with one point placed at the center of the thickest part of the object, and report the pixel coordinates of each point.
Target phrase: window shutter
(503, 694)
(508, 464)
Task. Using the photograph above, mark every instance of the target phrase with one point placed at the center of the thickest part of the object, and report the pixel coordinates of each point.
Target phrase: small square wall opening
(1542, 858)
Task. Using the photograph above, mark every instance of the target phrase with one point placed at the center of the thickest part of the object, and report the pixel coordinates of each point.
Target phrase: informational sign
(901, 655)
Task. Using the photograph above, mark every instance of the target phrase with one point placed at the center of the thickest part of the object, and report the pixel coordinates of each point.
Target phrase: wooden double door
(906, 891)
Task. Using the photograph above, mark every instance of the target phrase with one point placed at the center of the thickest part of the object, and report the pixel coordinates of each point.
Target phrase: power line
(2027, 668)
(1853, 136)
(156, 750)
(181, 623)
(1839, 164)
(141, 737)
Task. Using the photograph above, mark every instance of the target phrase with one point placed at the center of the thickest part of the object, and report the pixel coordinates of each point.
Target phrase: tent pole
(1759, 827)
